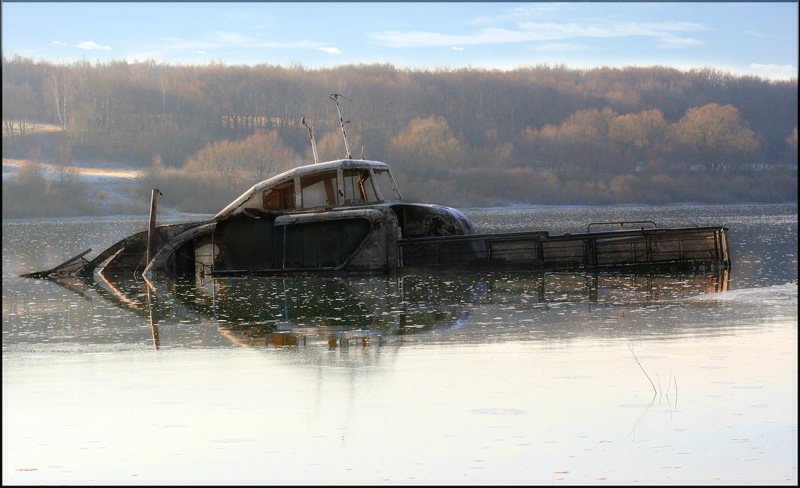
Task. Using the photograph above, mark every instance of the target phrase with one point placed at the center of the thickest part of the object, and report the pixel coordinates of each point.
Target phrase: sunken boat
(348, 216)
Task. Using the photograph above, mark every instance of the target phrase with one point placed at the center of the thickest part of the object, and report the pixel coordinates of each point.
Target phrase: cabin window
(386, 186)
(280, 197)
(357, 187)
(318, 190)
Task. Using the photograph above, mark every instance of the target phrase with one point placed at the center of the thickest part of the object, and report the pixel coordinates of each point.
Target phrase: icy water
(469, 378)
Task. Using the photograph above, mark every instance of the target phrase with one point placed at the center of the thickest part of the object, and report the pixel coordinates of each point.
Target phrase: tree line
(601, 132)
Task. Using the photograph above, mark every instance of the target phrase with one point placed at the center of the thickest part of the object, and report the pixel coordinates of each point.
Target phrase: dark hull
(655, 250)
(356, 245)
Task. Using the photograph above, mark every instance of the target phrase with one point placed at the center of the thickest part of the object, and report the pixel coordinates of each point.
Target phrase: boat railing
(668, 248)
(622, 224)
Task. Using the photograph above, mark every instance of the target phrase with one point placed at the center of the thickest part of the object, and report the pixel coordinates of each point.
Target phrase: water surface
(478, 377)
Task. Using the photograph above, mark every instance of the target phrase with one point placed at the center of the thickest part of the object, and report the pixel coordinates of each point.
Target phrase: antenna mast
(311, 136)
(335, 98)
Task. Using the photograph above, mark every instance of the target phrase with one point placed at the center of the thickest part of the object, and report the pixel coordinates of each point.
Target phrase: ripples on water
(476, 377)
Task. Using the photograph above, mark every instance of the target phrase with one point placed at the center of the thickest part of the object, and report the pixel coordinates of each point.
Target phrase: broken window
(318, 190)
(386, 185)
(358, 187)
(280, 198)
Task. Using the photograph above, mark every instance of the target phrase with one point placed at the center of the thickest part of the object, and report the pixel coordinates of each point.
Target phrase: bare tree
(59, 87)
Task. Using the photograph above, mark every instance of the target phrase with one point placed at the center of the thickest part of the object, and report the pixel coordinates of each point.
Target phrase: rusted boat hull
(369, 240)
(336, 217)
(355, 239)
(674, 249)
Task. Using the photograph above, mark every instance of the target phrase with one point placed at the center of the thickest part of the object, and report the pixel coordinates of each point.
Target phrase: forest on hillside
(543, 134)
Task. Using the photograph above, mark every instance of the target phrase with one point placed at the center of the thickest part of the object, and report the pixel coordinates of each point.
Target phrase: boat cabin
(339, 183)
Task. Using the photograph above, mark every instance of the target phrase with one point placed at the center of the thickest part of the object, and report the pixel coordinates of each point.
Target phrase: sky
(742, 38)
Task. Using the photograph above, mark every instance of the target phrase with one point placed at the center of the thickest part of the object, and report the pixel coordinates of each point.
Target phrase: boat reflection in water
(368, 311)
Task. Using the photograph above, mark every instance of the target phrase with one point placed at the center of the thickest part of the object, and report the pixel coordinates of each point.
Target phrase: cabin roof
(321, 168)
(300, 171)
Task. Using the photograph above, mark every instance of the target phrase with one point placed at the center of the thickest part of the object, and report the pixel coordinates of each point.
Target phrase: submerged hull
(371, 240)
(676, 249)
(336, 217)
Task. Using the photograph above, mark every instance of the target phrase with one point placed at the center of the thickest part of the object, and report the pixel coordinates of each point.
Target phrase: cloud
(784, 72)
(58, 43)
(254, 19)
(296, 45)
(761, 35)
(457, 48)
(92, 45)
(232, 38)
(237, 15)
(534, 31)
(177, 43)
(520, 13)
(420, 39)
(219, 40)
(673, 42)
(561, 47)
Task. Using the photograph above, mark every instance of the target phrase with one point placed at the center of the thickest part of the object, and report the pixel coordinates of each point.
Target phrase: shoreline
(113, 190)
(15, 165)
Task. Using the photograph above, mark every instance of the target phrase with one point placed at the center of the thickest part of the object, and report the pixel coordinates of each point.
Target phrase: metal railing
(590, 250)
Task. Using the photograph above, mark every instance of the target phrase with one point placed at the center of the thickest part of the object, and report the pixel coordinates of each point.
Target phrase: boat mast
(335, 98)
(311, 136)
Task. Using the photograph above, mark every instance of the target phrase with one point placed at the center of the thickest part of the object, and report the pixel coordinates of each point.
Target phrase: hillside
(539, 135)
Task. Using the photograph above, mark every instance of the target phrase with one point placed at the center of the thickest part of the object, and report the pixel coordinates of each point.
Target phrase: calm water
(472, 378)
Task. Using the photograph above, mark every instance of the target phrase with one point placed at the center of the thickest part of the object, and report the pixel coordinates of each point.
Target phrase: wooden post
(151, 298)
(151, 230)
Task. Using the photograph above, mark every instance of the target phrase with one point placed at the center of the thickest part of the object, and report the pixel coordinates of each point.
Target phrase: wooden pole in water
(153, 322)
(151, 230)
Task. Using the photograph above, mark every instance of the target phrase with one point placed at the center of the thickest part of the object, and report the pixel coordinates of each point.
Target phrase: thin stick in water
(669, 383)
(676, 393)
(643, 371)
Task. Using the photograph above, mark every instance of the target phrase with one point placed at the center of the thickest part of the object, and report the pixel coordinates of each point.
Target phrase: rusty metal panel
(323, 244)
(578, 251)
(622, 250)
(246, 243)
(514, 250)
(564, 252)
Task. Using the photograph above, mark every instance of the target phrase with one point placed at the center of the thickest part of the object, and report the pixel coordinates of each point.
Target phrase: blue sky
(743, 38)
